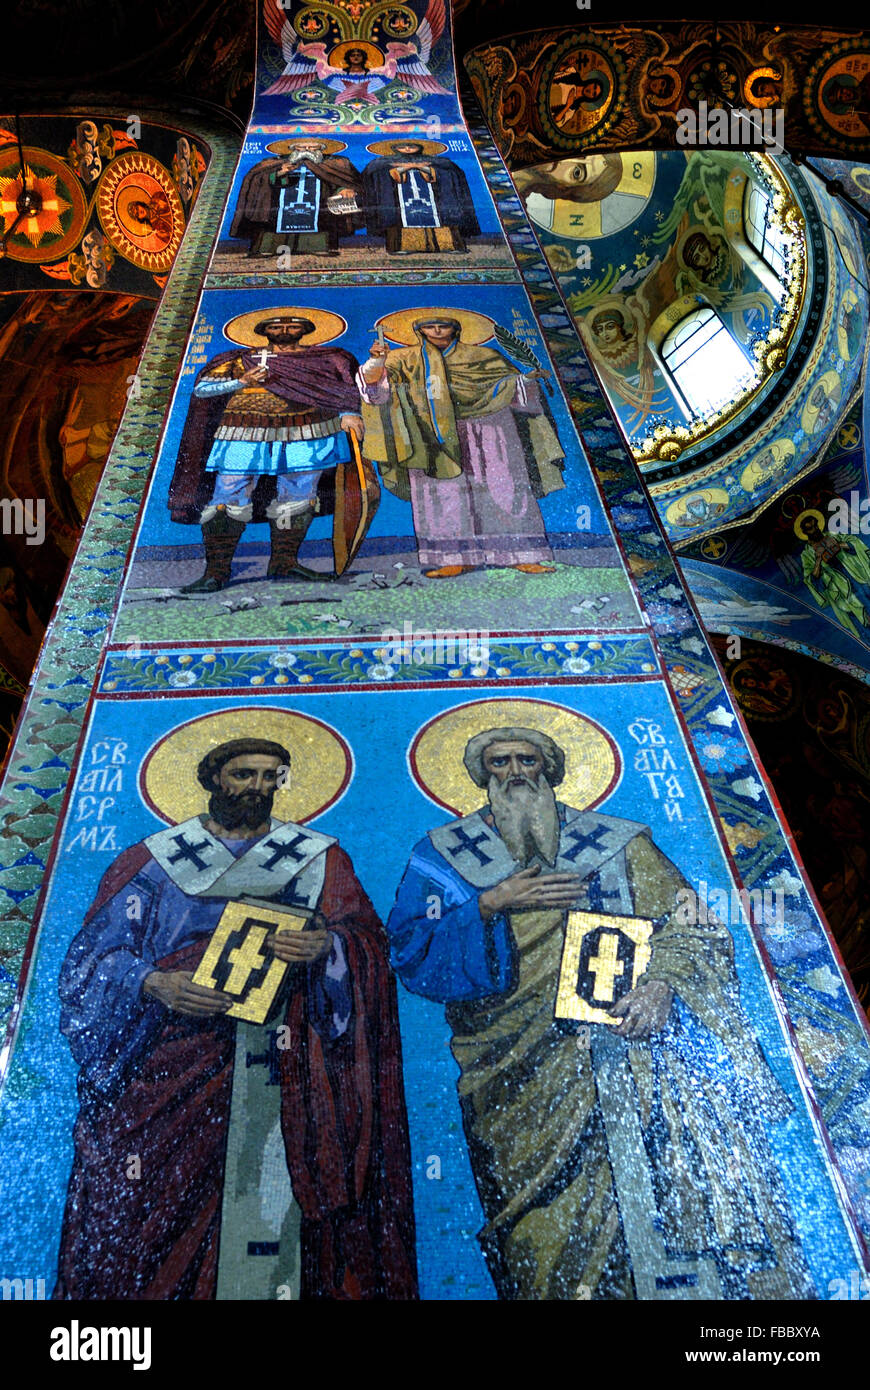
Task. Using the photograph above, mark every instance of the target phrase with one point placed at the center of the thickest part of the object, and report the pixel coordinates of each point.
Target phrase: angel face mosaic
(382, 952)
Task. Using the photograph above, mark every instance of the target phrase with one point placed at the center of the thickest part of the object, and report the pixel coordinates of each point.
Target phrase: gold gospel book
(238, 962)
(602, 959)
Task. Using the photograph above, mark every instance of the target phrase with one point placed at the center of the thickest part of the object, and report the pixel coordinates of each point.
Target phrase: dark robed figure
(300, 201)
(418, 202)
(156, 1056)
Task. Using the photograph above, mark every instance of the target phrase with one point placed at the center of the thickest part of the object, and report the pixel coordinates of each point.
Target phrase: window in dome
(762, 229)
(705, 364)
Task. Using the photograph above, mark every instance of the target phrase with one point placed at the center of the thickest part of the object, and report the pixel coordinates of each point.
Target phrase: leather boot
(286, 540)
(220, 536)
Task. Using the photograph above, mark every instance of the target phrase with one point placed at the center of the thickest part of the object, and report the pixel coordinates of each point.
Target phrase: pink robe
(488, 515)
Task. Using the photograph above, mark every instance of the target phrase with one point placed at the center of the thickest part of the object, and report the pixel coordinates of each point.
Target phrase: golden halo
(832, 382)
(286, 146)
(592, 760)
(386, 147)
(136, 177)
(129, 196)
(476, 328)
(321, 763)
(337, 56)
(799, 520)
(327, 326)
(833, 388)
(783, 451)
(716, 496)
(752, 77)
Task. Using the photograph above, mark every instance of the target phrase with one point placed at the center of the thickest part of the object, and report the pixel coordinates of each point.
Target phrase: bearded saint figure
(167, 1076)
(304, 201)
(548, 1122)
(266, 430)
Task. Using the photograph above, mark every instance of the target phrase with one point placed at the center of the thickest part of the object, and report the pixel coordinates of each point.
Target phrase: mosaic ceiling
(379, 799)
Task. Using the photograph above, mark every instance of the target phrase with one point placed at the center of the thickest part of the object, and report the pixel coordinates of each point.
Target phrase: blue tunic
(454, 955)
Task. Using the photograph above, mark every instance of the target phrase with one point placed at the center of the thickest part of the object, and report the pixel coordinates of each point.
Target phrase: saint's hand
(530, 890)
(374, 369)
(300, 947)
(643, 1010)
(175, 989)
(354, 425)
(254, 376)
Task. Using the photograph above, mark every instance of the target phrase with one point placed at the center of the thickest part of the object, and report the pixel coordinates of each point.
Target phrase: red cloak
(321, 376)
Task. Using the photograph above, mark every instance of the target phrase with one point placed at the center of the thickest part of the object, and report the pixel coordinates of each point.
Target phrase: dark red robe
(343, 1119)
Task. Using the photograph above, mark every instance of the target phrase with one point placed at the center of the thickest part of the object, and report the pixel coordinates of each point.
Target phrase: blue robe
(104, 1015)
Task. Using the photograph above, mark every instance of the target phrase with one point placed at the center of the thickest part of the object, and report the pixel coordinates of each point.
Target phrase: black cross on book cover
(603, 958)
(238, 962)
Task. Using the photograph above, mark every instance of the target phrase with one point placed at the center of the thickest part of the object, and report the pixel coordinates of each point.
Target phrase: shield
(357, 494)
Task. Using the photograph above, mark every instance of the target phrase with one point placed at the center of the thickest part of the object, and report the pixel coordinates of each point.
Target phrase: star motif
(47, 221)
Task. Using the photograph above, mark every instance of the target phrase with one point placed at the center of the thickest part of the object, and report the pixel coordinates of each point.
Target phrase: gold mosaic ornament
(238, 962)
(320, 770)
(140, 211)
(602, 959)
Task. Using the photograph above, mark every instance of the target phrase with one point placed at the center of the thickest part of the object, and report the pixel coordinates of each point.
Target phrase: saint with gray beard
(284, 201)
(545, 1155)
(526, 817)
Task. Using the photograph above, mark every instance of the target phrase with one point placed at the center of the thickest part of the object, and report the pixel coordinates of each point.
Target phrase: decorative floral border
(572, 659)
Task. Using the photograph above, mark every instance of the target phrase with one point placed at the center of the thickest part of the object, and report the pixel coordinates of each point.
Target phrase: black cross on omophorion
(284, 851)
(583, 842)
(290, 898)
(465, 841)
(188, 851)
